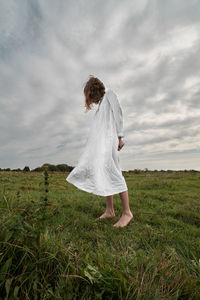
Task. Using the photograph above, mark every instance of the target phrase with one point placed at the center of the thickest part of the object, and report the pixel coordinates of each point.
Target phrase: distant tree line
(51, 167)
(67, 168)
(146, 170)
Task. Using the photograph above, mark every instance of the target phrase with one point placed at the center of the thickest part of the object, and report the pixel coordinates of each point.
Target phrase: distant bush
(26, 169)
(38, 169)
(17, 170)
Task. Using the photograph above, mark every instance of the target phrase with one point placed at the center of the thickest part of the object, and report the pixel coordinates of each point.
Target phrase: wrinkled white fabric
(98, 170)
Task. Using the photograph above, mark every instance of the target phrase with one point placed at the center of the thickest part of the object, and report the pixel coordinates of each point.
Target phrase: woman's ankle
(110, 211)
(127, 212)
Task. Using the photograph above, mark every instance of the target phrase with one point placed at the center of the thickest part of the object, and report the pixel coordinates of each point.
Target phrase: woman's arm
(117, 112)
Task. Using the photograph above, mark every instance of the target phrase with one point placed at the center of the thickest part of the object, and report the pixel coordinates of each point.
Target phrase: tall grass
(51, 247)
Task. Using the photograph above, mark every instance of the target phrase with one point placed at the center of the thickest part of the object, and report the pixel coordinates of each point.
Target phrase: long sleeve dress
(98, 170)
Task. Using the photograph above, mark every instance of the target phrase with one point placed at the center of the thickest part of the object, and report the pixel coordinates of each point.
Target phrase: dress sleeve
(117, 112)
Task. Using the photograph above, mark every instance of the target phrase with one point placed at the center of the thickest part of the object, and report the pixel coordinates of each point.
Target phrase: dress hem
(98, 194)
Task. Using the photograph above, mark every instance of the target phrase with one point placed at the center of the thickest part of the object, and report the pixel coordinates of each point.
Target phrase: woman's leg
(126, 214)
(109, 212)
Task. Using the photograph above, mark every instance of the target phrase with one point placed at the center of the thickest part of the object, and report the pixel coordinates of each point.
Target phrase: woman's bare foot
(124, 220)
(107, 214)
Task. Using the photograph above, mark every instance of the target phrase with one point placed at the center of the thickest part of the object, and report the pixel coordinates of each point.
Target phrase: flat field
(59, 251)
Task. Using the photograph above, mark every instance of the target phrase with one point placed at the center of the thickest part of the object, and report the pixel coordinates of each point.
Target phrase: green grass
(69, 255)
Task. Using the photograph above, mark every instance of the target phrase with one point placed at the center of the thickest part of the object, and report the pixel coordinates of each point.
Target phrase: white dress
(98, 170)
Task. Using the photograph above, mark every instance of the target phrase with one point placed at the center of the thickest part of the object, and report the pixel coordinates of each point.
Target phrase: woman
(98, 170)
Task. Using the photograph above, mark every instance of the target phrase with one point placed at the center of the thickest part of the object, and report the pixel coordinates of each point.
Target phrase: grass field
(59, 251)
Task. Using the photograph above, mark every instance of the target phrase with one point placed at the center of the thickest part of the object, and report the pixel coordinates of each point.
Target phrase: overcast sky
(148, 52)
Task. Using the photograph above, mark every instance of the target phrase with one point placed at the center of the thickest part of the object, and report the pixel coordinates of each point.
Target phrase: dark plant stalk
(18, 197)
(46, 183)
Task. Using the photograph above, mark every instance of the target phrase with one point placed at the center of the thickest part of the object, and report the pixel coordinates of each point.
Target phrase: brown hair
(94, 90)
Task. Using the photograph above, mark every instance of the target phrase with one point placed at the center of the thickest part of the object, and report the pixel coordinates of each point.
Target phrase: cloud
(147, 51)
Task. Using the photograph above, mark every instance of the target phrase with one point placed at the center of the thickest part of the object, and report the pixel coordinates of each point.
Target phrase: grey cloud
(173, 124)
(47, 51)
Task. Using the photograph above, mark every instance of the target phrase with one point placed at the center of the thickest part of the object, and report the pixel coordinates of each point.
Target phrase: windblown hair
(94, 90)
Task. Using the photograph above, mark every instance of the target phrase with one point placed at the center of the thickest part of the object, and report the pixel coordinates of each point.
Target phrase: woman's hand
(121, 144)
